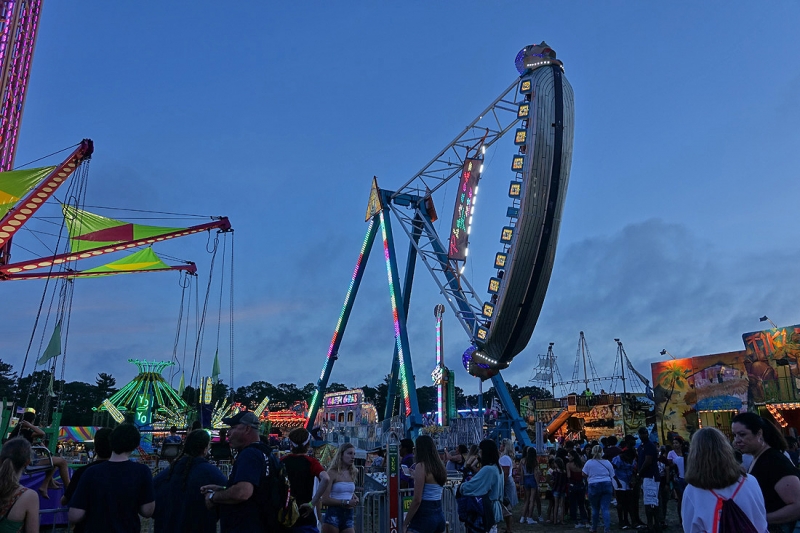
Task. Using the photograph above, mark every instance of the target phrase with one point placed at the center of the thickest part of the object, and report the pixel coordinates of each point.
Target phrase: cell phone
(407, 471)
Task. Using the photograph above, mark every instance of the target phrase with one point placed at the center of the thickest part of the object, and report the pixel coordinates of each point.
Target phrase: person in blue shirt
(173, 437)
(179, 503)
(241, 506)
(111, 496)
(489, 480)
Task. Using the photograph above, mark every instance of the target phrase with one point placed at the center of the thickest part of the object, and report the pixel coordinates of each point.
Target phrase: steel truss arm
(517, 423)
(488, 127)
(460, 295)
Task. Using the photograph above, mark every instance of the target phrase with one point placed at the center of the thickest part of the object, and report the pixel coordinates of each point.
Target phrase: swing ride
(540, 103)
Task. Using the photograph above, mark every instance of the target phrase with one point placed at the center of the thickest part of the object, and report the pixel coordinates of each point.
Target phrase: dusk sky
(680, 226)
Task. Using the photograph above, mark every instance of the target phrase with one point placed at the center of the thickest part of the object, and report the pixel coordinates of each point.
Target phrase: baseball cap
(244, 417)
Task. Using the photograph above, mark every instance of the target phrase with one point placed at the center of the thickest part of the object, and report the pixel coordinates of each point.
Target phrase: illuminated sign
(143, 412)
(494, 285)
(526, 86)
(520, 137)
(523, 110)
(500, 260)
(482, 334)
(113, 411)
(488, 310)
(507, 235)
(436, 375)
(340, 400)
(517, 163)
(464, 209)
(515, 189)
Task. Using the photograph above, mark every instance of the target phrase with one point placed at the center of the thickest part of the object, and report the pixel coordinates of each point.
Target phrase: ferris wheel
(539, 108)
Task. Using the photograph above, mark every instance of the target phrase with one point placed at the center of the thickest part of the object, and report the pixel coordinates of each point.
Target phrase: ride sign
(464, 209)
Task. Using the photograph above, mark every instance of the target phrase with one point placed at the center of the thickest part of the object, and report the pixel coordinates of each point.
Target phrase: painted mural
(709, 390)
(771, 361)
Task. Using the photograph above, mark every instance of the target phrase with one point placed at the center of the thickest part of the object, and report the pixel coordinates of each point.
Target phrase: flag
(53, 347)
(182, 386)
(50, 390)
(215, 371)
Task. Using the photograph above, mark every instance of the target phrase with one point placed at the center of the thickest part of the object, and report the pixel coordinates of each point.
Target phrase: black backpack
(278, 507)
(729, 517)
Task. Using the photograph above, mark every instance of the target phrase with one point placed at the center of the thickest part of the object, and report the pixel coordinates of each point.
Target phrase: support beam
(517, 423)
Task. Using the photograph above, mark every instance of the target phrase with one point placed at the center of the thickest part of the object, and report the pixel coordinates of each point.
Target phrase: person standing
(530, 470)
(677, 462)
(112, 495)
(179, 503)
(173, 437)
(340, 497)
(509, 487)
(456, 458)
(19, 506)
(102, 448)
(407, 460)
(599, 473)
(624, 466)
(576, 491)
(713, 472)
(425, 515)
(303, 470)
(778, 478)
(649, 479)
(244, 504)
(488, 482)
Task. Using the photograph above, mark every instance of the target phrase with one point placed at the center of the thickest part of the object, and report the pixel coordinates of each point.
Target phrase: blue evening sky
(680, 224)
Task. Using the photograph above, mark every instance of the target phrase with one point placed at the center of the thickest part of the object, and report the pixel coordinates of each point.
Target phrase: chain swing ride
(540, 103)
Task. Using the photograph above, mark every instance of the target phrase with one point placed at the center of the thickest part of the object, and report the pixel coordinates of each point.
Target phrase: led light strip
(394, 298)
(440, 364)
(337, 330)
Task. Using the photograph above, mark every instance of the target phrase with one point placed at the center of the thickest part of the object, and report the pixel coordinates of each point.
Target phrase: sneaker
(579, 526)
(531, 521)
(522, 520)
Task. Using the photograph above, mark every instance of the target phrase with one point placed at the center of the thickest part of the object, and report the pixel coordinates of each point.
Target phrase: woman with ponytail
(303, 470)
(19, 507)
(179, 502)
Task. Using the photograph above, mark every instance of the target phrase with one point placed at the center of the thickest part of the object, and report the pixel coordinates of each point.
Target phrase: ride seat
(41, 460)
(170, 451)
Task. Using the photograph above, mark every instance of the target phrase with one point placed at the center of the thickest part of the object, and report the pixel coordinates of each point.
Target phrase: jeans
(600, 495)
(577, 500)
(429, 518)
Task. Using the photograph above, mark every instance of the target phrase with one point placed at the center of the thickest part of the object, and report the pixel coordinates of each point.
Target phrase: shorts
(429, 518)
(529, 482)
(557, 494)
(339, 517)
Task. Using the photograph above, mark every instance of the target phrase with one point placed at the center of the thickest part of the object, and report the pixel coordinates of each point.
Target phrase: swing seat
(41, 460)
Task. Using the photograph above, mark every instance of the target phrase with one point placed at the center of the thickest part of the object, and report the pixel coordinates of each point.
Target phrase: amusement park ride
(24, 192)
(540, 104)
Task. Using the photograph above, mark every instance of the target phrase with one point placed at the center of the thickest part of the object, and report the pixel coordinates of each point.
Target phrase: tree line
(78, 398)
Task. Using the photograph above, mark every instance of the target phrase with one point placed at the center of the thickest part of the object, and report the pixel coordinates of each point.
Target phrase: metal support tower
(413, 209)
(20, 25)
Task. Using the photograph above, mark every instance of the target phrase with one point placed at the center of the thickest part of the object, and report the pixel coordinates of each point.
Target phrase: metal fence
(372, 515)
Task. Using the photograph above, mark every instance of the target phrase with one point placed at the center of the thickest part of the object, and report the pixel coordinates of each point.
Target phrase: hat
(244, 417)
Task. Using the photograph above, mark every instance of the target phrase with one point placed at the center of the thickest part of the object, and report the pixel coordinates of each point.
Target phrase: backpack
(729, 517)
(279, 509)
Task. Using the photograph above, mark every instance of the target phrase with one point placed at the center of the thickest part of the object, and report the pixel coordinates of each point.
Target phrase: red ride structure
(20, 25)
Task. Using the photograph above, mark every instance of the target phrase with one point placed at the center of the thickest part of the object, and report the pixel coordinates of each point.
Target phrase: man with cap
(241, 504)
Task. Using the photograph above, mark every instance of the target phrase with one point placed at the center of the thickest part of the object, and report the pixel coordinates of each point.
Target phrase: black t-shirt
(179, 503)
(80, 527)
(770, 467)
(648, 449)
(111, 494)
(245, 517)
(20, 431)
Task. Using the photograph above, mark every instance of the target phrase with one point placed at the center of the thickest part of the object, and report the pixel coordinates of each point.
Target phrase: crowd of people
(751, 484)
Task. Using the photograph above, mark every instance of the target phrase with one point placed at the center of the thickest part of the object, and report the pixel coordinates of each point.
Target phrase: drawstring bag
(729, 517)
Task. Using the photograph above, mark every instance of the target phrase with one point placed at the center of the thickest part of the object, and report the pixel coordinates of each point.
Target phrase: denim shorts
(529, 481)
(339, 517)
(557, 494)
(429, 518)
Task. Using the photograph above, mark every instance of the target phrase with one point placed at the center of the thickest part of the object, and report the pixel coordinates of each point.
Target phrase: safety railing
(374, 511)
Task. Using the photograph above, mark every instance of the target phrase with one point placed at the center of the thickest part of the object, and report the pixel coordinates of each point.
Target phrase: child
(559, 486)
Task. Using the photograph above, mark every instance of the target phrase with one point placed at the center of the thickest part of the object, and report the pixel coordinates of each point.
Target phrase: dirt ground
(673, 521)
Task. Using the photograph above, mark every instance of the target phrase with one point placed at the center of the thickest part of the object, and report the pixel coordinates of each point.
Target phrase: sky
(679, 219)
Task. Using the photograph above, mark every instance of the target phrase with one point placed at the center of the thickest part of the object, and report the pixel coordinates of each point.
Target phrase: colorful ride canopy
(15, 184)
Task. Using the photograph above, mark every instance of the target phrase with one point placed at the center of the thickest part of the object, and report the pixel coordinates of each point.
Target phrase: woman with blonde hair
(712, 472)
(599, 473)
(340, 495)
(19, 506)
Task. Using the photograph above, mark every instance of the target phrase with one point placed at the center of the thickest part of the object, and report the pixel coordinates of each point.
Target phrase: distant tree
(337, 387)
(8, 380)
(105, 387)
(427, 398)
(77, 402)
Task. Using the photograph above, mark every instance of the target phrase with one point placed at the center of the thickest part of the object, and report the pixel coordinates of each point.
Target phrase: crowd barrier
(372, 514)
